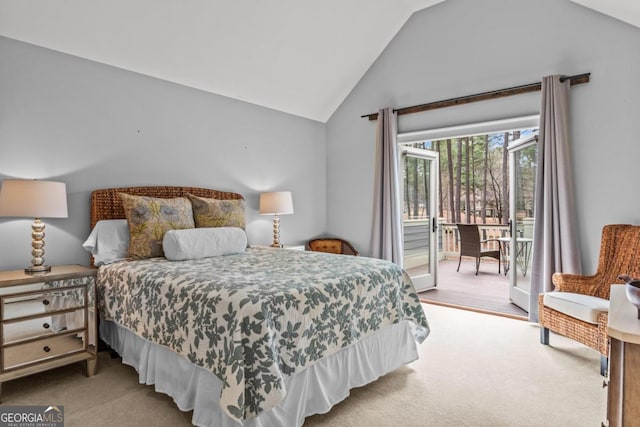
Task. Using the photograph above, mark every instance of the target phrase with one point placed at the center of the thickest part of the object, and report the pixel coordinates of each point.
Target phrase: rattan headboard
(106, 203)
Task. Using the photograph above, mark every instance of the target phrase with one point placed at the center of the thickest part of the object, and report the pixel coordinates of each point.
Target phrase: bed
(261, 337)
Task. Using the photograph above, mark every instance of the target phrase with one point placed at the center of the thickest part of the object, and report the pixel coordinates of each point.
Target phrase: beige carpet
(475, 370)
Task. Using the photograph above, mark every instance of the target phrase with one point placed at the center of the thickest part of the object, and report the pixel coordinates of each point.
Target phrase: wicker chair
(332, 245)
(578, 306)
(471, 245)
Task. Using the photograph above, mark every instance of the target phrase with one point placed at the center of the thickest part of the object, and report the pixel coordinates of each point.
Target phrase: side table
(47, 320)
(623, 329)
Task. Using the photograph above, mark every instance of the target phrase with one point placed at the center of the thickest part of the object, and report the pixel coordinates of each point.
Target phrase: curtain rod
(494, 94)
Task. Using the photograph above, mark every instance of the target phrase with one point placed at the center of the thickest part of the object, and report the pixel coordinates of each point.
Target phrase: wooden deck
(486, 292)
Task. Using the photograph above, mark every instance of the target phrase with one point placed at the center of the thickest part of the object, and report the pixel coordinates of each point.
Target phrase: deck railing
(451, 238)
(416, 233)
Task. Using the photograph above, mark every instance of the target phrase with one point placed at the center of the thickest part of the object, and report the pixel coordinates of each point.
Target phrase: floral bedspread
(256, 317)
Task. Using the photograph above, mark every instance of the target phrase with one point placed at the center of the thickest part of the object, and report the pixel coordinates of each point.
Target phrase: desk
(523, 253)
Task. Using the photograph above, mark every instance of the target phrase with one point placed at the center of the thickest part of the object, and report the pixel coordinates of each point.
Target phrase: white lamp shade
(33, 199)
(276, 203)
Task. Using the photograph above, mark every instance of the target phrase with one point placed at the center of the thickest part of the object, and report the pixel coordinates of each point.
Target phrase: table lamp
(34, 199)
(276, 203)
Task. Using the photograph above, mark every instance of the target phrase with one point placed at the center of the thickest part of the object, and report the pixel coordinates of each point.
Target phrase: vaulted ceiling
(294, 56)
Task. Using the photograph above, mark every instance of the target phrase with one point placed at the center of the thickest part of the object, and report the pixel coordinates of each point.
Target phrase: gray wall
(94, 126)
(461, 47)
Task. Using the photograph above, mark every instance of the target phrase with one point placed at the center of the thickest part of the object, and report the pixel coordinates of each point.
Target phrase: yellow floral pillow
(217, 213)
(149, 218)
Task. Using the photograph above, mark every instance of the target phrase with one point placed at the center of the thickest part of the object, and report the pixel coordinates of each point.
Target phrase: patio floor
(487, 292)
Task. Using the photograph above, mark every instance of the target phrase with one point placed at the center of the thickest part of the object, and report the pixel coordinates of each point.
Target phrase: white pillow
(195, 243)
(108, 241)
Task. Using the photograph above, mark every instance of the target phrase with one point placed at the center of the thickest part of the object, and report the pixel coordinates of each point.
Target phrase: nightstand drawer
(23, 288)
(23, 354)
(33, 303)
(47, 325)
(26, 329)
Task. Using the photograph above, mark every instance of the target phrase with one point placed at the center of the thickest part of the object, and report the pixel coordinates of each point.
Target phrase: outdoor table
(523, 252)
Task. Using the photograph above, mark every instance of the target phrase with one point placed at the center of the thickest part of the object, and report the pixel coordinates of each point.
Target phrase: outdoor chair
(578, 307)
(332, 245)
(471, 245)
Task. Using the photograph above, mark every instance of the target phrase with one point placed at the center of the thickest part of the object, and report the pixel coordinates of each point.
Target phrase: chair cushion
(583, 307)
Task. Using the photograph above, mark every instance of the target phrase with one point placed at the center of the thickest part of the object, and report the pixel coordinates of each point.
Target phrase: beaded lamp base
(37, 251)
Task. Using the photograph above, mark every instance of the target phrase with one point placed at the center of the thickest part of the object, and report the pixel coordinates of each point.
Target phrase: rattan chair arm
(565, 282)
(489, 240)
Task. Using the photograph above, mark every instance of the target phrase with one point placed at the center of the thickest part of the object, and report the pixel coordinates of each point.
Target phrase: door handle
(434, 226)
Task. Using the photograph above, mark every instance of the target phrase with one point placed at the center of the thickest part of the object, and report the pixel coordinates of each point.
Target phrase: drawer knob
(45, 302)
(45, 325)
(46, 349)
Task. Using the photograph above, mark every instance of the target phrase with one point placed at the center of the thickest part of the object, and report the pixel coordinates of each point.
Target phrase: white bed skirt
(312, 391)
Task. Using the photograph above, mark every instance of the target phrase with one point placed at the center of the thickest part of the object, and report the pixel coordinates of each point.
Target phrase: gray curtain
(386, 238)
(555, 238)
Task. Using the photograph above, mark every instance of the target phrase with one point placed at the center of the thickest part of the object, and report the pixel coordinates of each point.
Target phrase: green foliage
(485, 176)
